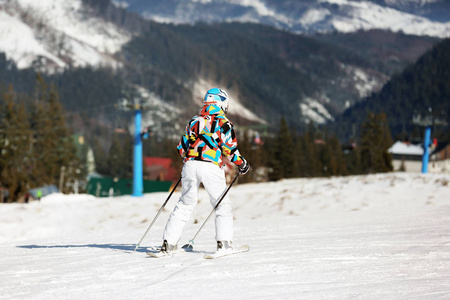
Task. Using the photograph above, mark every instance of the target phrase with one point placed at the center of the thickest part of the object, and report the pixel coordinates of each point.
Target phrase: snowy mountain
(382, 236)
(170, 67)
(418, 17)
(55, 34)
(52, 35)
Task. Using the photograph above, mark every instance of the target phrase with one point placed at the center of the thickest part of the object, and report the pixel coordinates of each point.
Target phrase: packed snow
(382, 236)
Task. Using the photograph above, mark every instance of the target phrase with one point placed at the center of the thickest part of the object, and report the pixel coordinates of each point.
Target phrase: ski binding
(241, 249)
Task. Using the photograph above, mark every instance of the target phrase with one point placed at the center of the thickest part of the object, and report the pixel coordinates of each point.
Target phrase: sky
(381, 236)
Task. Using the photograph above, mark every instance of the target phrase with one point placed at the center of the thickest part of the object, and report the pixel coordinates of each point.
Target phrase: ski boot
(225, 246)
(166, 248)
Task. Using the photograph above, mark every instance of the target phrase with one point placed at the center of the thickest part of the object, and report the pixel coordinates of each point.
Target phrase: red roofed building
(160, 168)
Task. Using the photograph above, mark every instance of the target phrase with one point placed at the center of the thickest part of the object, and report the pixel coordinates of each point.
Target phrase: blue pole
(426, 145)
(138, 181)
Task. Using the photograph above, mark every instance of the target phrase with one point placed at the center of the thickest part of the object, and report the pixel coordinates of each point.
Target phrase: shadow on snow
(121, 247)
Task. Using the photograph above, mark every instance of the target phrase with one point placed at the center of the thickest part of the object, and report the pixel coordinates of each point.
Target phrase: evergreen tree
(313, 164)
(324, 154)
(375, 141)
(127, 150)
(284, 164)
(101, 158)
(64, 154)
(387, 142)
(300, 153)
(352, 160)
(333, 157)
(275, 168)
(15, 147)
(116, 161)
(54, 152)
(119, 161)
(42, 139)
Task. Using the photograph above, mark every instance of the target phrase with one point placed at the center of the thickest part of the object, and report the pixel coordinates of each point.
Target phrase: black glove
(244, 167)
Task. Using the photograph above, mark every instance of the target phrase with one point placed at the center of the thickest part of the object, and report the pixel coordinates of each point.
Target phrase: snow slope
(380, 236)
(61, 33)
(368, 15)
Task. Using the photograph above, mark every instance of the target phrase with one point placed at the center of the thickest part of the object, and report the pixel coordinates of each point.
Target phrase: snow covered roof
(405, 148)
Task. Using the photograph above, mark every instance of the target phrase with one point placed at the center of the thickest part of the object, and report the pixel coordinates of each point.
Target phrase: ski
(159, 254)
(241, 249)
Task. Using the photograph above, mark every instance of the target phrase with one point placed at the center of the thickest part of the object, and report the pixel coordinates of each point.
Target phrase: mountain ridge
(269, 73)
(305, 16)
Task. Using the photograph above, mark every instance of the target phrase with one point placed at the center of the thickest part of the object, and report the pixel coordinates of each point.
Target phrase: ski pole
(157, 215)
(190, 246)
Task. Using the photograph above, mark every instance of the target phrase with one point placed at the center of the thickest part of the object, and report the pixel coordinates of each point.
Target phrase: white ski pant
(213, 179)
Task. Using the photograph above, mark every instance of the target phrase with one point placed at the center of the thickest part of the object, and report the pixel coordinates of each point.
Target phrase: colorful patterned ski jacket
(209, 136)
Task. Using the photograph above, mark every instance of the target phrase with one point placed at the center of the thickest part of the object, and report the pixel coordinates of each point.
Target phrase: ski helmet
(218, 97)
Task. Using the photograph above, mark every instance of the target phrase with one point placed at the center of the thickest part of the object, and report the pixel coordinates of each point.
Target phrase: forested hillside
(385, 51)
(418, 88)
(272, 72)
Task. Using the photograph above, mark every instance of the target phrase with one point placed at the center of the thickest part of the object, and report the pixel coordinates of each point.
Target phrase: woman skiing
(208, 137)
